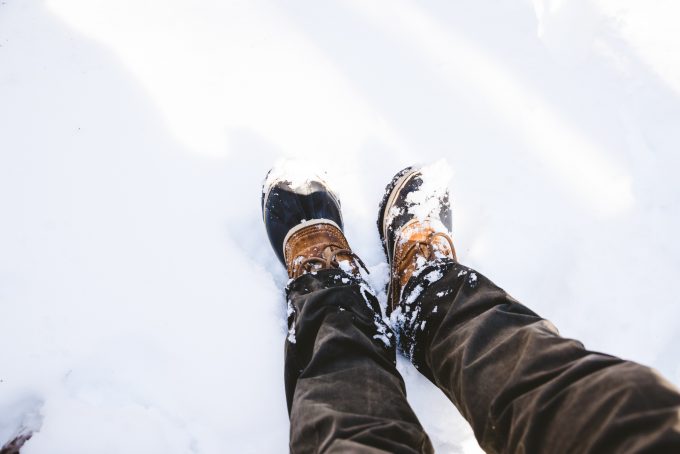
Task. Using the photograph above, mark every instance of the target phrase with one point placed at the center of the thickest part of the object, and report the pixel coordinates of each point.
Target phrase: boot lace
(329, 259)
(426, 248)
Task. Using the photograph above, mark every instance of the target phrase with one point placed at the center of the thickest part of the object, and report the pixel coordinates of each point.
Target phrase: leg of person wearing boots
(343, 390)
(14, 446)
(521, 386)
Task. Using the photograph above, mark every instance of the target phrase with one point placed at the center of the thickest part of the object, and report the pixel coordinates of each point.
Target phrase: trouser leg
(522, 387)
(343, 390)
(14, 446)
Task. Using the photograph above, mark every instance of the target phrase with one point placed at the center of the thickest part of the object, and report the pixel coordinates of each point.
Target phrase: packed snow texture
(141, 307)
(425, 203)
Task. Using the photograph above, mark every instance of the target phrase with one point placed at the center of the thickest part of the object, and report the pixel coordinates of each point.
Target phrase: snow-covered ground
(140, 304)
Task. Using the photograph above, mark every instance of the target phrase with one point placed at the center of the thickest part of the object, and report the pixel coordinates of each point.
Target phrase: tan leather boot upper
(418, 243)
(318, 246)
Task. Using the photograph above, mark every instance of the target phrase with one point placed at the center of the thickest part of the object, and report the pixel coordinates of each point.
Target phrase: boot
(304, 224)
(414, 225)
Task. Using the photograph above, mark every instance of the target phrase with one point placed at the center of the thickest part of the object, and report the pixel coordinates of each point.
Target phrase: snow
(413, 296)
(433, 276)
(426, 201)
(346, 266)
(141, 307)
(296, 172)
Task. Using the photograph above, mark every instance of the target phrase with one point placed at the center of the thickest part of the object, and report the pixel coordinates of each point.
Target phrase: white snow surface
(141, 306)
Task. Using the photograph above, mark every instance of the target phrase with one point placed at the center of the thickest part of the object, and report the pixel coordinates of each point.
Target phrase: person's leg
(343, 390)
(522, 387)
(14, 446)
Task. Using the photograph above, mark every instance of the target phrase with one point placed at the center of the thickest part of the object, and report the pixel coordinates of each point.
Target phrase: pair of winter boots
(305, 227)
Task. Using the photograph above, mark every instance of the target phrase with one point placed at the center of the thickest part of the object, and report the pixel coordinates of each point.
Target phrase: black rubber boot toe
(286, 205)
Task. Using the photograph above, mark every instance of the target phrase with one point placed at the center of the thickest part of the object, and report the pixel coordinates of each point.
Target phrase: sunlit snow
(141, 306)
